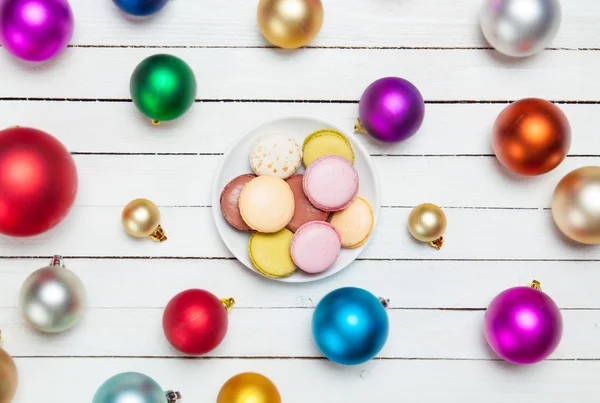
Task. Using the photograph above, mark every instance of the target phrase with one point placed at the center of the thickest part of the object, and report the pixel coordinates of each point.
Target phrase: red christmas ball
(38, 182)
(195, 321)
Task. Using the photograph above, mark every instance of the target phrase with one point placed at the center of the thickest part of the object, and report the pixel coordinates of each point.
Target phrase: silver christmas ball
(520, 28)
(52, 298)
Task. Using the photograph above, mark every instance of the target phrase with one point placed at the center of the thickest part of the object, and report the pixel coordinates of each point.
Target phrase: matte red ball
(195, 322)
(38, 182)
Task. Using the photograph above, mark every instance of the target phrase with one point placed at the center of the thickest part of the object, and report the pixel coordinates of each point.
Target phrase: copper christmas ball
(8, 377)
(531, 137)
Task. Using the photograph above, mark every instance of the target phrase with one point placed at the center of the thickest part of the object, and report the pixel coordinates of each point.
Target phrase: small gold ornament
(141, 218)
(8, 376)
(427, 223)
(576, 205)
(290, 24)
(249, 387)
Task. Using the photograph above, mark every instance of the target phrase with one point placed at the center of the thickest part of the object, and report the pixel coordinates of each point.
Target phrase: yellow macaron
(355, 223)
(270, 253)
(326, 142)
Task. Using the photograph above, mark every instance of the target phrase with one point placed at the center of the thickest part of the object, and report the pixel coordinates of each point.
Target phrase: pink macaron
(331, 183)
(315, 246)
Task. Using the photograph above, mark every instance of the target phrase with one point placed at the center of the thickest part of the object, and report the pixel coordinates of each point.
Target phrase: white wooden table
(500, 230)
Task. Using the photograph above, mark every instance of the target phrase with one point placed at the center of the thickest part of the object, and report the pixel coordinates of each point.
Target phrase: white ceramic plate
(235, 162)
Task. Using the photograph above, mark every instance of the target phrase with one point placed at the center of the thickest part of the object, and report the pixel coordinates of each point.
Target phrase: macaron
(315, 246)
(326, 142)
(275, 155)
(229, 201)
(266, 204)
(270, 253)
(354, 223)
(304, 211)
(331, 183)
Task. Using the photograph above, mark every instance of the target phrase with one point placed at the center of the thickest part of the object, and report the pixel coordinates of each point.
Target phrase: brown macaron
(304, 210)
(229, 201)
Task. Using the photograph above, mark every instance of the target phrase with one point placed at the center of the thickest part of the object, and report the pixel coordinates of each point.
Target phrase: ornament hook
(155, 122)
(536, 285)
(438, 243)
(385, 302)
(228, 303)
(159, 235)
(358, 128)
(172, 397)
(57, 261)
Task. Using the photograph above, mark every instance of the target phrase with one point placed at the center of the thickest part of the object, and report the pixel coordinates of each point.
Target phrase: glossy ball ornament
(520, 28)
(249, 387)
(290, 24)
(52, 298)
(140, 8)
(390, 110)
(531, 137)
(523, 325)
(163, 87)
(8, 376)
(427, 223)
(195, 321)
(576, 205)
(38, 182)
(141, 218)
(133, 387)
(350, 326)
(35, 30)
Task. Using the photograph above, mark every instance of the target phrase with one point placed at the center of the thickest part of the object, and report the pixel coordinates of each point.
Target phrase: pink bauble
(523, 325)
(35, 30)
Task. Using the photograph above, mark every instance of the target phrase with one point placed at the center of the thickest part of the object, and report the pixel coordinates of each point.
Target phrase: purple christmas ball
(35, 30)
(523, 325)
(391, 109)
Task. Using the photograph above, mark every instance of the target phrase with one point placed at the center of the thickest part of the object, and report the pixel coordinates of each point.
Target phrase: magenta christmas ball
(523, 325)
(391, 109)
(35, 30)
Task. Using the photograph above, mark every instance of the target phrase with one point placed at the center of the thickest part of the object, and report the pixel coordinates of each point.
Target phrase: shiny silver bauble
(520, 28)
(52, 298)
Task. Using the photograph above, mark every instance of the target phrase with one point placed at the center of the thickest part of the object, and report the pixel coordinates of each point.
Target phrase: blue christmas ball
(350, 326)
(130, 387)
(140, 8)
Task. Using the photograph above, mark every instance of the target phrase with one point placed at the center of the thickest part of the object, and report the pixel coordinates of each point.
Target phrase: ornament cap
(536, 285)
(57, 261)
(438, 243)
(159, 234)
(172, 397)
(359, 128)
(228, 303)
(1, 339)
(385, 302)
(155, 122)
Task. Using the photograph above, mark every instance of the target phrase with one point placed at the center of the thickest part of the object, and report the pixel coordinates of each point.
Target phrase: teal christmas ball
(350, 326)
(133, 387)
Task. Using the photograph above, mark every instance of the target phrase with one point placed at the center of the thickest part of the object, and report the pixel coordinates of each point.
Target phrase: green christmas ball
(163, 87)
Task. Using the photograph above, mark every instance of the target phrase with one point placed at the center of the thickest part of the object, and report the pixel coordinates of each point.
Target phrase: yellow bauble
(290, 24)
(427, 223)
(249, 387)
(141, 218)
(8, 377)
(576, 205)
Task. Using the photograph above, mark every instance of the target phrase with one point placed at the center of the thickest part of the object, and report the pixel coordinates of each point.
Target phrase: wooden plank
(448, 129)
(472, 234)
(176, 180)
(412, 284)
(320, 381)
(264, 74)
(393, 24)
(268, 333)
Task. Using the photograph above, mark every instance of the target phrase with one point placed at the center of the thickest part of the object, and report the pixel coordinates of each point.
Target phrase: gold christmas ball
(576, 205)
(427, 223)
(249, 387)
(141, 218)
(290, 24)
(8, 377)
